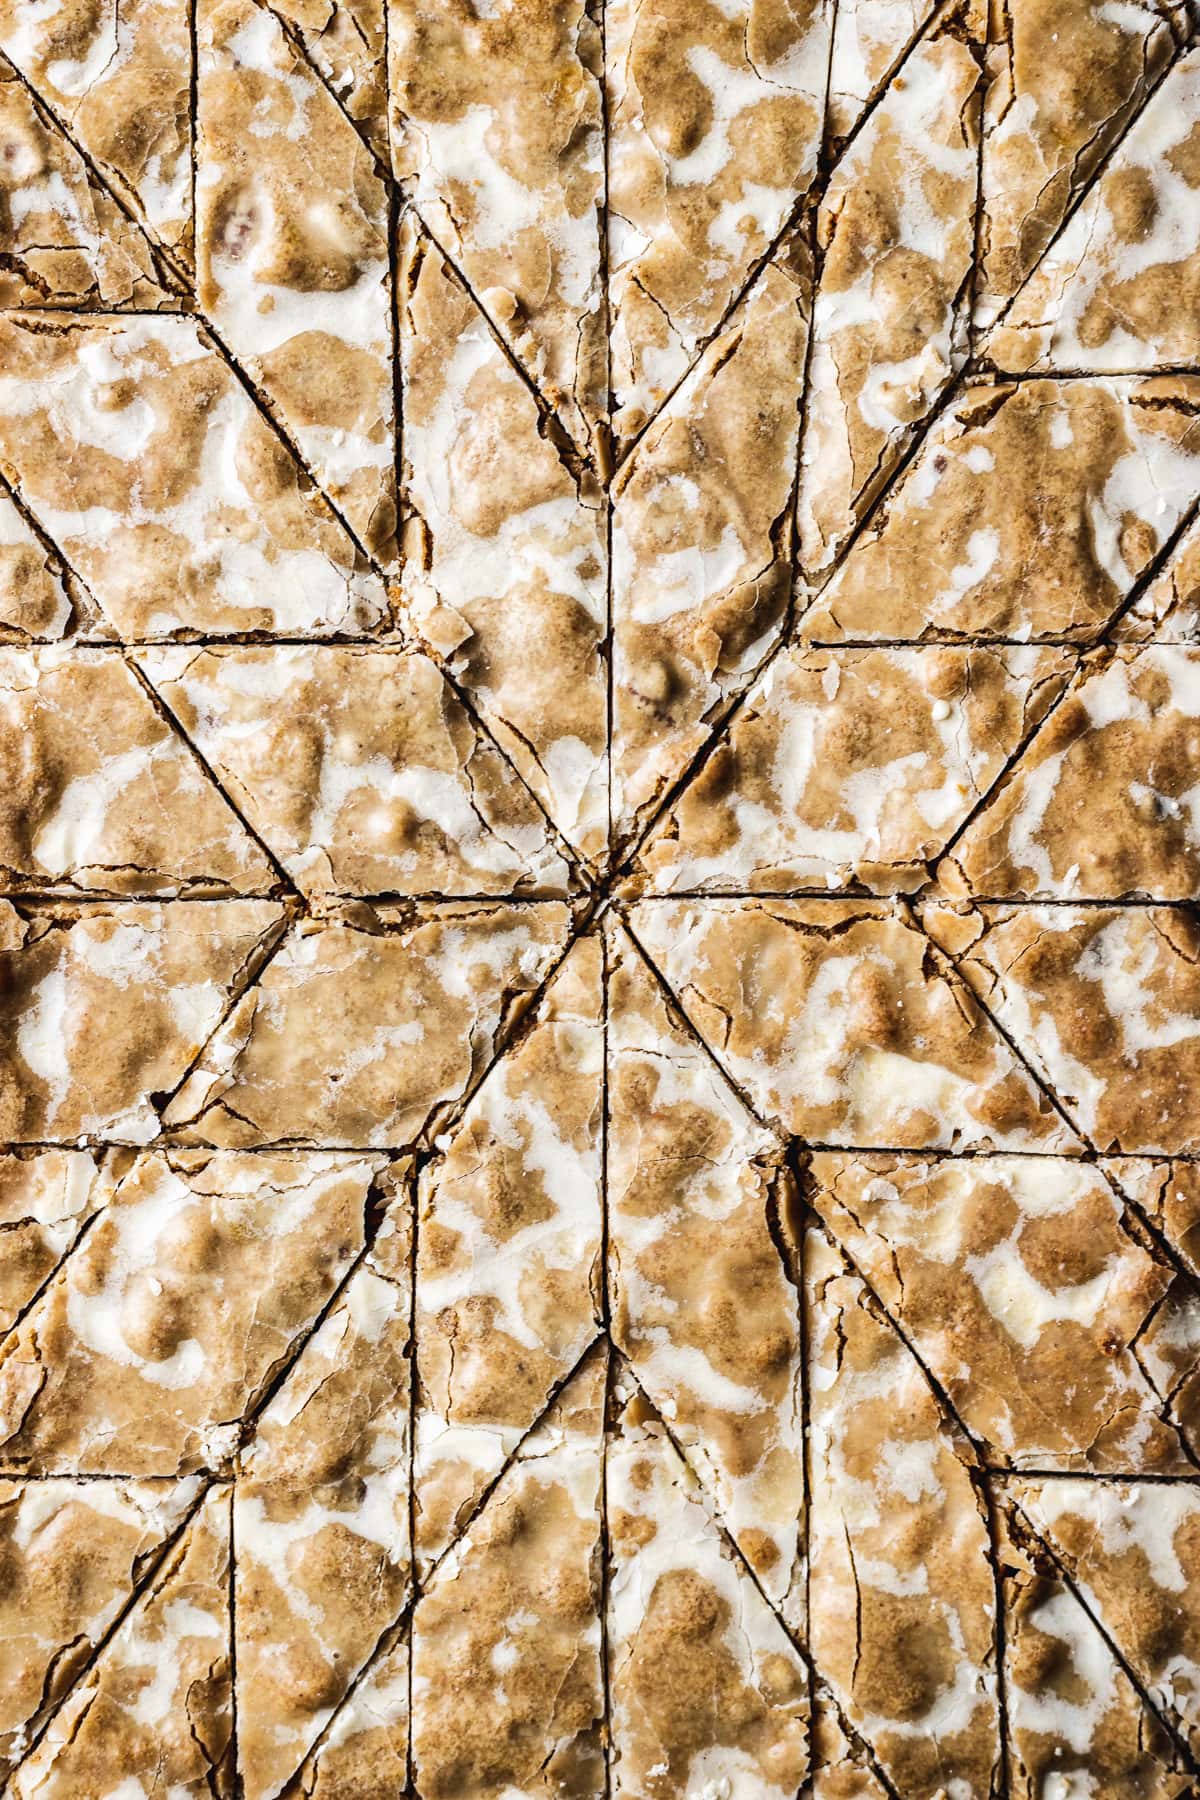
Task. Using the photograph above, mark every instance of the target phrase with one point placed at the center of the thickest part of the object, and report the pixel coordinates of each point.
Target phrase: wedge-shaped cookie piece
(852, 767)
(507, 1684)
(1104, 1002)
(292, 255)
(901, 1594)
(360, 768)
(1100, 804)
(66, 241)
(1132, 1550)
(1120, 288)
(364, 1751)
(1168, 611)
(715, 114)
(701, 541)
(1066, 76)
(1029, 511)
(1168, 1193)
(34, 602)
(870, 38)
(368, 1030)
(345, 40)
(1024, 1296)
(72, 1553)
(117, 73)
(105, 1008)
(159, 1332)
(703, 1303)
(321, 1522)
(155, 1712)
(707, 1691)
(508, 1251)
(496, 132)
(46, 1198)
(97, 792)
(505, 566)
(841, 1022)
(1074, 1717)
(895, 237)
(140, 453)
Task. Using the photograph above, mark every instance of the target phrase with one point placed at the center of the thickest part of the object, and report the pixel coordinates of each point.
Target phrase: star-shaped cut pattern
(599, 864)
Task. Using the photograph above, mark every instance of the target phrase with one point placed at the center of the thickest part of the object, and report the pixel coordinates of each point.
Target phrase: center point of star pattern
(599, 844)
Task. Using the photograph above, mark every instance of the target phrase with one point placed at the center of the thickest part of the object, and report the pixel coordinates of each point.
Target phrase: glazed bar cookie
(715, 118)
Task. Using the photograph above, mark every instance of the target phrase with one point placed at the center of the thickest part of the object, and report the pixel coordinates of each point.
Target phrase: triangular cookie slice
(1074, 1716)
(67, 242)
(361, 769)
(156, 1708)
(1064, 83)
(1132, 1550)
(715, 113)
(1098, 807)
(109, 1005)
(1031, 1305)
(100, 793)
(508, 1251)
(368, 1030)
(292, 256)
(840, 1021)
(73, 1553)
(707, 1690)
(34, 602)
(321, 1519)
(505, 571)
(497, 118)
(507, 1681)
(1120, 288)
(852, 768)
(1029, 511)
(700, 544)
(895, 241)
(159, 1334)
(902, 1613)
(1103, 1002)
(184, 512)
(701, 1248)
(118, 76)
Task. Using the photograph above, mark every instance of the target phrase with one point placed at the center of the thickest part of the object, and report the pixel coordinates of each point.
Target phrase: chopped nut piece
(701, 577)
(292, 254)
(508, 1249)
(895, 235)
(840, 1021)
(1120, 288)
(704, 1303)
(851, 767)
(901, 1592)
(1029, 511)
(708, 1693)
(360, 768)
(715, 110)
(507, 1689)
(505, 573)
